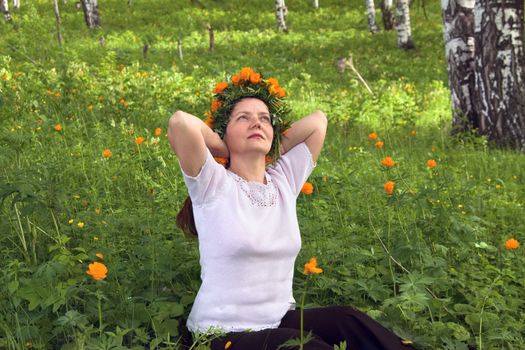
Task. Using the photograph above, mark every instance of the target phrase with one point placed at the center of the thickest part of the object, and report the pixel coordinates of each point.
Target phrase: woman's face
(249, 128)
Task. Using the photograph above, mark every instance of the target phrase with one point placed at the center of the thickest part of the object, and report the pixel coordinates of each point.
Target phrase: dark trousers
(329, 326)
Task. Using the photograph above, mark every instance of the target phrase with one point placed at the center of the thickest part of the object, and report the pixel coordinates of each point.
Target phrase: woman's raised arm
(310, 130)
(189, 136)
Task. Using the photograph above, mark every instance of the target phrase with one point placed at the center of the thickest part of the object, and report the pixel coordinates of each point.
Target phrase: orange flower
(107, 153)
(221, 160)
(431, 163)
(58, 127)
(307, 188)
(372, 136)
(220, 87)
(236, 79)
(255, 78)
(281, 92)
(122, 100)
(512, 244)
(277, 90)
(16, 74)
(209, 120)
(245, 73)
(139, 140)
(311, 267)
(99, 255)
(97, 270)
(158, 131)
(227, 345)
(379, 144)
(215, 105)
(272, 81)
(97, 210)
(388, 162)
(389, 187)
(58, 94)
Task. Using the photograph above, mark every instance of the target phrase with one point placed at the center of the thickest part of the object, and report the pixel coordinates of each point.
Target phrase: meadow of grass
(428, 260)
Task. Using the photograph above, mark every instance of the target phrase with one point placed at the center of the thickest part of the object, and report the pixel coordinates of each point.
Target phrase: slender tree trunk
(16, 4)
(90, 8)
(315, 4)
(404, 34)
(179, 49)
(280, 14)
(500, 65)
(370, 7)
(57, 17)
(388, 14)
(4, 7)
(458, 33)
(212, 38)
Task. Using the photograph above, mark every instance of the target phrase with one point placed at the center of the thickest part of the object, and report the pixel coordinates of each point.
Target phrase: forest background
(87, 174)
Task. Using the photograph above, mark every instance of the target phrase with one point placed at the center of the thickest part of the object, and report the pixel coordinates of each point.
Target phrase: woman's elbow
(322, 120)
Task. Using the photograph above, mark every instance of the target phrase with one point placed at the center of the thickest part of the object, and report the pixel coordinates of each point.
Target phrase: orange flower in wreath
(220, 87)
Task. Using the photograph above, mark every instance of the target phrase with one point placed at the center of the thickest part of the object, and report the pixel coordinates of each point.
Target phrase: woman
(246, 221)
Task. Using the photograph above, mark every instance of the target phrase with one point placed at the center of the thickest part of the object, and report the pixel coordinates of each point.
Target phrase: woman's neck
(249, 168)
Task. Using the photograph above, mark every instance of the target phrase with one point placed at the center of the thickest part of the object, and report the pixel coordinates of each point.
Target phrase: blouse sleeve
(203, 187)
(296, 165)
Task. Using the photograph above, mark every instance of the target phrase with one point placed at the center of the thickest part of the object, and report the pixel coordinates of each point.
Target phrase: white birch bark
(4, 7)
(404, 33)
(90, 8)
(458, 34)
(57, 17)
(388, 14)
(280, 14)
(500, 76)
(370, 8)
(315, 3)
(16, 4)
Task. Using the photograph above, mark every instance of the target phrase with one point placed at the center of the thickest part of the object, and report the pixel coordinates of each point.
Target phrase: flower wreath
(248, 83)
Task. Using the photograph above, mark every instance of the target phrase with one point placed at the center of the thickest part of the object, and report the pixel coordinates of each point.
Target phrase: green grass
(428, 262)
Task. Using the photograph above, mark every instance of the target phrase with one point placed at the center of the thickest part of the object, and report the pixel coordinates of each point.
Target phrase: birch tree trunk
(370, 7)
(404, 34)
(388, 15)
(4, 7)
(16, 4)
(499, 77)
(458, 34)
(57, 17)
(315, 3)
(280, 14)
(90, 8)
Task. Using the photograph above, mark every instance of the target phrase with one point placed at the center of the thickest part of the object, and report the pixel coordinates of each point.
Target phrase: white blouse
(248, 241)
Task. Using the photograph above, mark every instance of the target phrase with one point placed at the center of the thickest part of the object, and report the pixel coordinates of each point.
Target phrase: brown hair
(185, 220)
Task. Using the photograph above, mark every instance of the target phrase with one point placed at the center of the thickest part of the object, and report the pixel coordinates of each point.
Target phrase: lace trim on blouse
(260, 195)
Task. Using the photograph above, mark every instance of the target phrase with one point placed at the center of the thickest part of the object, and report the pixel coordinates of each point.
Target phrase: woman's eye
(266, 119)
